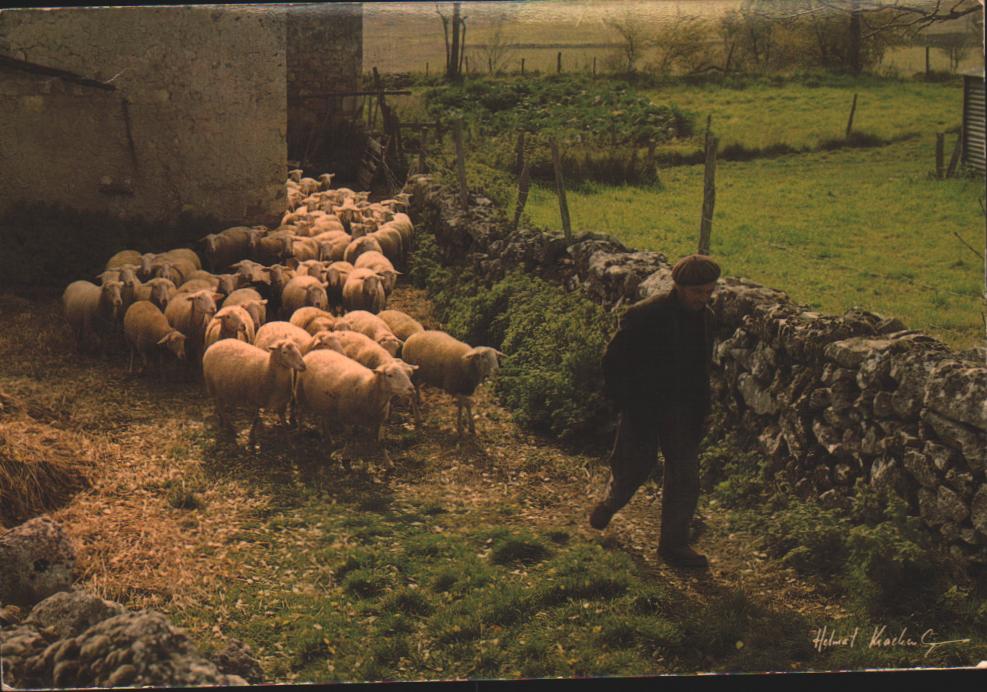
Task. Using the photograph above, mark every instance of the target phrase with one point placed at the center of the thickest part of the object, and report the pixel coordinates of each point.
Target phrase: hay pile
(41, 467)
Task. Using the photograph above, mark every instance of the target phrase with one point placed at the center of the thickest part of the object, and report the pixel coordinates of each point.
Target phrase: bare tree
(498, 49)
(633, 38)
(456, 44)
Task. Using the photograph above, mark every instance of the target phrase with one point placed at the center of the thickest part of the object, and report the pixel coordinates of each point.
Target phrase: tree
(456, 48)
(498, 50)
(633, 40)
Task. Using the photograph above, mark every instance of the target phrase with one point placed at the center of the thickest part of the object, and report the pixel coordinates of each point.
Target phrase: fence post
(467, 64)
(426, 68)
(522, 66)
(457, 134)
(560, 190)
(653, 162)
(523, 185)
(422, 134)
(490, 65)
(955, 158)
(558, 63)
(594, 65)
(709, 196)
(849, 122)
(928, 67)
(940, 146)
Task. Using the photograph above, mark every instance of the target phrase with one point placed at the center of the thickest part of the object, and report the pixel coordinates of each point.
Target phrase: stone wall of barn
(828, 399)
(196, 123)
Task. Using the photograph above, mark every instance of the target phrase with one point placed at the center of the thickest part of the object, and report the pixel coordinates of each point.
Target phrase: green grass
(857, 227)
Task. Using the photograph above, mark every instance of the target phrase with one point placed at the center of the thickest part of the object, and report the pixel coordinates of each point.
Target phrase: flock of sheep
(335, 353)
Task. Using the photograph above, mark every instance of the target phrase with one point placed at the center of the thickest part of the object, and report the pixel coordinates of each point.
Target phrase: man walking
(656, 370)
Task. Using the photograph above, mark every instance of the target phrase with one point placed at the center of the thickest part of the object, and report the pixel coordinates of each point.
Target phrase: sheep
(338, 389)
(328, 222)
(272, 248)
(304, 248)
(325, 180)
(402, 222)
(295, 175)
(122, 258)
(311, 267)
(249, 300)
(250, 272)
(158, 291)
(280, 276)
(371, 325)
(380, 265)
(226, 247)
(229, 322)
(128, 277)
(165, 269)
(189, 313)
(336, 275)
(312, 319)
(391, 243)
(332, 248)
(184, 254)
(148, 333)
(402, 324)
(308, 185)
(359, 246)
(92, 310)
(365, 350)
(223, 283)
(364, 290)
(302, 291)
(239, 373)
(449, 364)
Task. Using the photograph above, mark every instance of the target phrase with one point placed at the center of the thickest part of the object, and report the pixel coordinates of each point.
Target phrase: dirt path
(156, 458)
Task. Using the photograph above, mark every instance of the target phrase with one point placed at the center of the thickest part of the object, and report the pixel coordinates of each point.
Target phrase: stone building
(149, 112)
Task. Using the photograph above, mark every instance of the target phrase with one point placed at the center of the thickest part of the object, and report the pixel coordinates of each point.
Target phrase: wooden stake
(426, 68)
(954, 160)
(709, 196)
(457, 134)
(558, 63)
(560, 190)
(928, 67)
(594, 65)
(522, 66)
(849, 122)
(523, 185)
(940, 146)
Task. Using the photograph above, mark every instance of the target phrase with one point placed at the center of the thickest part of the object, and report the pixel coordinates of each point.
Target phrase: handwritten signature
(827, 638)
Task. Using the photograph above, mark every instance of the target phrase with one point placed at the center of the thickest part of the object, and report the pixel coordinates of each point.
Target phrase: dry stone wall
(831, 400)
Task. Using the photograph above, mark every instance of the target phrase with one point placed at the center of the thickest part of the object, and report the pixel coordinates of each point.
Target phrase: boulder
(70, 613)
(921, 468)
(959, 392)
(236, 658)
(968, 440)
(37, 560)
(950, 506)
(758, 399)
(978, 510)
(882, 405)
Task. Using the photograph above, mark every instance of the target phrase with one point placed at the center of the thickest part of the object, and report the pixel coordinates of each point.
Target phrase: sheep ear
(502, 355)
(263, 301)
(292, 263)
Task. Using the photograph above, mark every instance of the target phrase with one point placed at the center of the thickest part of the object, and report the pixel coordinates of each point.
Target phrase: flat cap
(695, 270)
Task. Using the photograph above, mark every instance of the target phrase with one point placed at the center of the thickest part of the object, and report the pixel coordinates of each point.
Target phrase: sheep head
(482, 361)
(395, 379)
(285, 353)
(174, 341)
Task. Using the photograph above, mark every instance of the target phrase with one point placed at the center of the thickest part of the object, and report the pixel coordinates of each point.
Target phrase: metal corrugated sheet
(974, 122)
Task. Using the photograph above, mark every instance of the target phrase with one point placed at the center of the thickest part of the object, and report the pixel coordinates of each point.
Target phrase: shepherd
(656, 371)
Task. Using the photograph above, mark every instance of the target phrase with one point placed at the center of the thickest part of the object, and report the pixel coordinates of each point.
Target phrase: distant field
(861, 227)
(402, 37)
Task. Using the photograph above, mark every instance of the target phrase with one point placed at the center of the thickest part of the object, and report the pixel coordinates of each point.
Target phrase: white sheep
(381, 266)
(451, 365)
(336, 275)
(402, 324)
(364, 290)
(371, 325)
(302, 291)
(229, 322)
(190, 313)
(149, 334)
(250, 300)
(226, 247)
(337, 389)
(359, 246)
(312, 320)
(391, 243)
(122, 258)
(237, 373)
(93, 311)
(158, 291)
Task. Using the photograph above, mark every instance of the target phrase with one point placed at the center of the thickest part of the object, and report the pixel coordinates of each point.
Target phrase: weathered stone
(772, 442)
(950, 505)
(760, 401)
(970, 536)
(970, 441)
(978, 510)
(69, 613)
(37, 560)
(886, 476)
(959, 393)
(803, 489)
(236, 658)
(961, 482)
(838, 420)
(942, 457)
(882, 405)
(763, 363)
(844, 474)
(906, 405)
(928, 507)
(820, 477)
(819, 399)
(832, 375)
(659, 281)
(850, 353)
(826, 436)
(870, 441)
(921, 468)
(950, 531)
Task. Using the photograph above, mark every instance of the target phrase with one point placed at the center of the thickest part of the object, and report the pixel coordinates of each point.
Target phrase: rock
(659, 281)
(960, 481)
(921, 468)
(236, 658)
(844, 474)
(959, 393)
(950, 531)
(69, 613)
(942, 457)
(950, 505)
(764, 363)
(37, 560)
(886, 477)
(906, 405)
(10, 615)
(970, 536)
(970, 441)
(830, 440)
(869, 443)
(820, 398)
(759, 400)
(131, 649)
(978, 510)
(882, 405)
(927, 507)
(820, 477)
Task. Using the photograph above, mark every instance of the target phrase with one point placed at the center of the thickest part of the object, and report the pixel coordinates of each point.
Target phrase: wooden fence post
(940, 146)
(426, 68)
(522, 66)
(558, 63)
(560, 190)
(594, 65)
(709, 196)
(849, 122)
(523, 185)
(928, 67)
(954, 160)
(457, 134)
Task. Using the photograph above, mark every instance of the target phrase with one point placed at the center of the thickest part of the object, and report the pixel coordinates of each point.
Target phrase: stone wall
(829, 400)
(196, 124)
(325, 54)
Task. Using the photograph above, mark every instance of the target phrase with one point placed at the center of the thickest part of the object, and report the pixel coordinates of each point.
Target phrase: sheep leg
(252, 438)
(468, 403)
(130, 365)
(416, 408)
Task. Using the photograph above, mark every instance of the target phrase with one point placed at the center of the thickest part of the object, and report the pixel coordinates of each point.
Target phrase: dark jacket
(659, 357)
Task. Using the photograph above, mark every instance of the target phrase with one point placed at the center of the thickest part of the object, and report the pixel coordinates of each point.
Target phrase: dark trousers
(635, 455)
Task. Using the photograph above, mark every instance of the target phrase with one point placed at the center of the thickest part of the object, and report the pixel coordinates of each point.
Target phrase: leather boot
(601, 515)
(684, 557)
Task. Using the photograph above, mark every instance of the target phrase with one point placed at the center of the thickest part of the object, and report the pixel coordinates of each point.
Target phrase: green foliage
(810, 538)
(887, 571)
(518, 549)
(575, 107)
